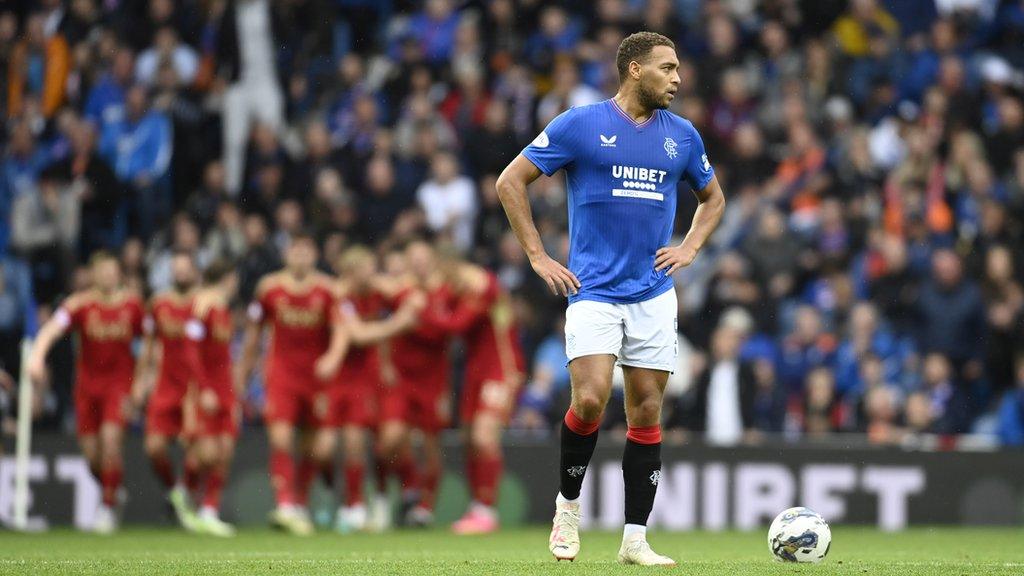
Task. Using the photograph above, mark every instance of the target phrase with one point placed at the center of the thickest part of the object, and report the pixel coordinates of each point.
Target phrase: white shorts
(642, 334)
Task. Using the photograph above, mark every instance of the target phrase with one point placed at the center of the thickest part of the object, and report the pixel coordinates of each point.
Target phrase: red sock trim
(111, 476)
(354, 484)
(214, 489)
(644, 434)
(579, 426)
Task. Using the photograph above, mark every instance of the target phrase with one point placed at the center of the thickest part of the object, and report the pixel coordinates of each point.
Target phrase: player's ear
(634, 69)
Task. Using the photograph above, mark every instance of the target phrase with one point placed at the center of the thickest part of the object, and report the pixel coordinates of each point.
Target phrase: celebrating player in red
(493, 377)
(355, 404)
(165, 325)
(214, 422)
(106, 319)
(307, 345)
(420, 400)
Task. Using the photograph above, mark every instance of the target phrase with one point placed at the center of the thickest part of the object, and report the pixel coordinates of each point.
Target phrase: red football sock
(282, 477)
(488, 477)
(193, 476)
(111, 480)
(308, 469)
(164, 469)
(214, 488)
(429, 481)
(354, 473)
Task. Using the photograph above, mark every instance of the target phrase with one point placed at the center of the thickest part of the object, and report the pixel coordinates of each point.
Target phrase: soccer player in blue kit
(623, 159)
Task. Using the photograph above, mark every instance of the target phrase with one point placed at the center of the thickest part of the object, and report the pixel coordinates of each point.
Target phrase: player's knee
(588, 405)
(647, 412)
(155, 445)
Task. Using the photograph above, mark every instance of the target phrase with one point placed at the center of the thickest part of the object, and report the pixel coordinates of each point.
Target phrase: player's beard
(650, 99)
(181, 287)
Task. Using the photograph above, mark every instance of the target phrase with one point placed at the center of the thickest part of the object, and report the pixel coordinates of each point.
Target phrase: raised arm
(511, 188)
(51, 331)
(709, 212)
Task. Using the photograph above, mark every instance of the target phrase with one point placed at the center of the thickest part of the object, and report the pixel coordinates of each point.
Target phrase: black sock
(575, 456)
(641, 471)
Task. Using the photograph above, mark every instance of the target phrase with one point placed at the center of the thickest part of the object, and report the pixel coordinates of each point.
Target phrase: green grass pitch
(860, 551)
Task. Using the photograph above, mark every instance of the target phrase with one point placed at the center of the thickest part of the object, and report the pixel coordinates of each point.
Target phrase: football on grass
(799, 535)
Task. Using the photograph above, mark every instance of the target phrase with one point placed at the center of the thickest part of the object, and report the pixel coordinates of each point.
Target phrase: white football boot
(106, 520)
(636, 550)
(564, 542)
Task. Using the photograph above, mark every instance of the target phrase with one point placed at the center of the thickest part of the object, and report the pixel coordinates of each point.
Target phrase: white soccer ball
(799, 535)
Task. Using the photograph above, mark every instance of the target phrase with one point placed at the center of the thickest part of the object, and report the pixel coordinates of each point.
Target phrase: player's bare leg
(89, 444)
(287, 515)
(111, 473)
(641, 462)
(157, 448)
(484, 467)
(352, 514)
(591, 378)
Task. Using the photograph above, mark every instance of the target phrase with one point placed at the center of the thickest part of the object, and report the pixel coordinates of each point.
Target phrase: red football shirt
(169, 312)
(493, 351)
(362, 363)
(211, 330)
(105, 330)
(421, 356)
(300, 316)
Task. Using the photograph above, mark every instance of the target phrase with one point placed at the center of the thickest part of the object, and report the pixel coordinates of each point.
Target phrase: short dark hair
(217, 271)
(637, 47)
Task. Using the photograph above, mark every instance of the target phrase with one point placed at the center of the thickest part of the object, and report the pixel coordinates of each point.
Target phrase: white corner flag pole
(24, 440)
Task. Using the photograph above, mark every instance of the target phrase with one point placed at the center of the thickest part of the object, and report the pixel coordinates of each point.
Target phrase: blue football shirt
(621, 179)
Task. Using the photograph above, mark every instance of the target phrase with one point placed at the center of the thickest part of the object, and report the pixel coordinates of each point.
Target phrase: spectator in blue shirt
(952, 315)
(140, 147)
(1011, 411)
(105, 102)
(865, 336)
(549, 380)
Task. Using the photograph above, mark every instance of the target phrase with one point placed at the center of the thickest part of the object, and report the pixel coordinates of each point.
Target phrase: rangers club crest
(576, 471)
(670, 148)
(655, 477)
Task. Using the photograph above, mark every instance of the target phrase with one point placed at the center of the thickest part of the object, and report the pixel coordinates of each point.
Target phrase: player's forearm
(370, 333)
(45, 339)
(338, 347)
(514, 199)
(250, 346)
(705, 219)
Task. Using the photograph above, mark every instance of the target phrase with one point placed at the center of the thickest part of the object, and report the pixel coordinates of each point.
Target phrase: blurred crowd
(866, 276)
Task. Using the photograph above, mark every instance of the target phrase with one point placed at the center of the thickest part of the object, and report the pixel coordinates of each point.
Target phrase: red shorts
(165, 412)
(221, 421)
(95, 407)
(354, 405)
(492, 396)
(427, 408)
(309, 407)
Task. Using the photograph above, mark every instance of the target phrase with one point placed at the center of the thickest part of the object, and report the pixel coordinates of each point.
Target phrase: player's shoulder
(132, 298)
(327, 283)
(79, 300)
(677, 121)
(268, 282)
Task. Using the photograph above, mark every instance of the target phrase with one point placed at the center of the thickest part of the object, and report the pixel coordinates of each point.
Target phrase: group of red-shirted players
(356, 362)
